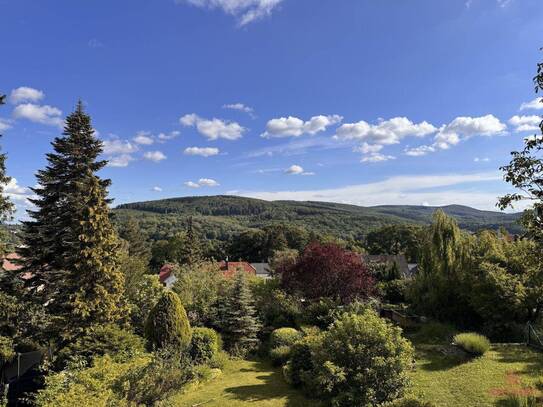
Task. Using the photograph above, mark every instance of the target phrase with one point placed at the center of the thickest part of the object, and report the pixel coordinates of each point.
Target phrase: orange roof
(232, 267)
(8, 265)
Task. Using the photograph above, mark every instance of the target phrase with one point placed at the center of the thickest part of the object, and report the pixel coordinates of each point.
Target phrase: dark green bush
(279, 356)
(393, 291)
(361, 343)
(472, 343)
(321, 313)
(301, 364)
(204, 345)
(101, 340)
(167, 325)
(284, 337)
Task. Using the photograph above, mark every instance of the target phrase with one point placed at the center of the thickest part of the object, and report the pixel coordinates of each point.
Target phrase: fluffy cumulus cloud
(536, 104)
(25, 94)
(385, 132)
(43, 114)
(460, 129)
(156, 189)
(246, 11)
(144, 138)
(295, 127)
(155, 156)
(525, 123)
(240, 107)
(376, 158)
(477, 190)
(117, 146)
(120, 161)
(201, 151)
(213, 129)
(297, 170)
(163, 137)
(202, 182)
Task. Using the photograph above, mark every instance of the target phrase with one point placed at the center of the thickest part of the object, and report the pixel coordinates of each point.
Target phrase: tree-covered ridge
(221, 217)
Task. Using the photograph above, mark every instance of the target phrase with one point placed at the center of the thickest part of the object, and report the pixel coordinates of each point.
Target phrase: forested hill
(222, 216)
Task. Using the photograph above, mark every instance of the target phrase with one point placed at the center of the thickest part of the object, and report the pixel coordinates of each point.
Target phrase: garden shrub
(280, 355)
(361, 343)
(102, 340)
(284, 337)
(7, 352)
(165, 375)
(300, 365)
(219, 361)
(167, 325)
(276, 309)
(321, 313)
(472, 343)
(204, 345)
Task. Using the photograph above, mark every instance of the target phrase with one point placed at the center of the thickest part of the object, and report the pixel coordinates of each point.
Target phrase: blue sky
(358, 101)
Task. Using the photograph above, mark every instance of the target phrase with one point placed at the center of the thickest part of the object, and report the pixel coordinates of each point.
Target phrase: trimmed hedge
(472, 343)
(205, 345)
(284, 337)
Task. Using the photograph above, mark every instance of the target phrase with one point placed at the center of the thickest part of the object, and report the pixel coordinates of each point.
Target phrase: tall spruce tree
(137, 246)
(240, 324)
(70, 247)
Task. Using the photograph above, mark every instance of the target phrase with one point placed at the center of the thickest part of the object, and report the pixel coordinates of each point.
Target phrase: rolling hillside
(219, 217)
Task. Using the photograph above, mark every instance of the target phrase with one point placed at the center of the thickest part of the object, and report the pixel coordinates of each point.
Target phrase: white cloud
(240, 107)
(163, 137)
(155, 156)
(246, 11)
(536, 104)
(376, 158)
(144, 138)
(213, 129)
(386, 132)
(294, 170)
(13, 188)
(120, 161)
(525, 123)
(116, 146)
(297, 170)
(25, 94)
(366, 148)
(481, 159)
(419, 151)
(202, 182)
(39, 114)
(295, 127)
(4, 124)
(95, 43)
(463, 189)
(201, 151)
(156, 189)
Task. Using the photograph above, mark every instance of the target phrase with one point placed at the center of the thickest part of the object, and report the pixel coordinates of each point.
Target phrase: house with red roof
(229, 268)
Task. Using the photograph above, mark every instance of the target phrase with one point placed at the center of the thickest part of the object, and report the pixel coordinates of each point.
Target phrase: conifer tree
(70, 247)
(193, 246)
(137, 246)
(239, 322)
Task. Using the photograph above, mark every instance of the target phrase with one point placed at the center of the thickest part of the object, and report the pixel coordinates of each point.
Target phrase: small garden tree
(327, 270)
(239, 322)
(361, 361)
(167, 325)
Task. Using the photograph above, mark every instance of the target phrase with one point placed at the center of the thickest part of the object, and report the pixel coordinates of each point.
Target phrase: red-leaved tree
(327, 270)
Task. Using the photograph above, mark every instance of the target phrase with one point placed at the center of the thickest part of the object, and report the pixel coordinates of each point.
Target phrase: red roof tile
(232, 267)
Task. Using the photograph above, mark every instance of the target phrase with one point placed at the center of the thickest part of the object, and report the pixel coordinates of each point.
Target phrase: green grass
(245, 383)
(447, 378)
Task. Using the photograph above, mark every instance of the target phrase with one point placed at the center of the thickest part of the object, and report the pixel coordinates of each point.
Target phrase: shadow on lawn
(272, 387)
(532, 359)
(440, 357)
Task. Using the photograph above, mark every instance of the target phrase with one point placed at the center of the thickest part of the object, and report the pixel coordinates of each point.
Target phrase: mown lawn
(442, 375)
(449, 379)
(245, 383)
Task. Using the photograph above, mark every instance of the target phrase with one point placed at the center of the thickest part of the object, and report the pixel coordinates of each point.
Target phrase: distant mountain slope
(219, 217)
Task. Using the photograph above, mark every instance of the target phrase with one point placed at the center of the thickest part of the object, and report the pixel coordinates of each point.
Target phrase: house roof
(165, 272)
(229, 268)
(262, 269)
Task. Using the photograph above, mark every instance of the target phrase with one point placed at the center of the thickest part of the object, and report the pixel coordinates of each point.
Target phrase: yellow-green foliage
(94, 386)
(167, 325)
(284, 337)
(205, 344)
(472, 343)
(6, 350)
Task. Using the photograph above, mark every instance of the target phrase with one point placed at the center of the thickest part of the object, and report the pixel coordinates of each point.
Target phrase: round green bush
(167, 325)
(472, 343)
(280, 355)
(357, 343)
(100, 340)
(204, 345)
(284, 337)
